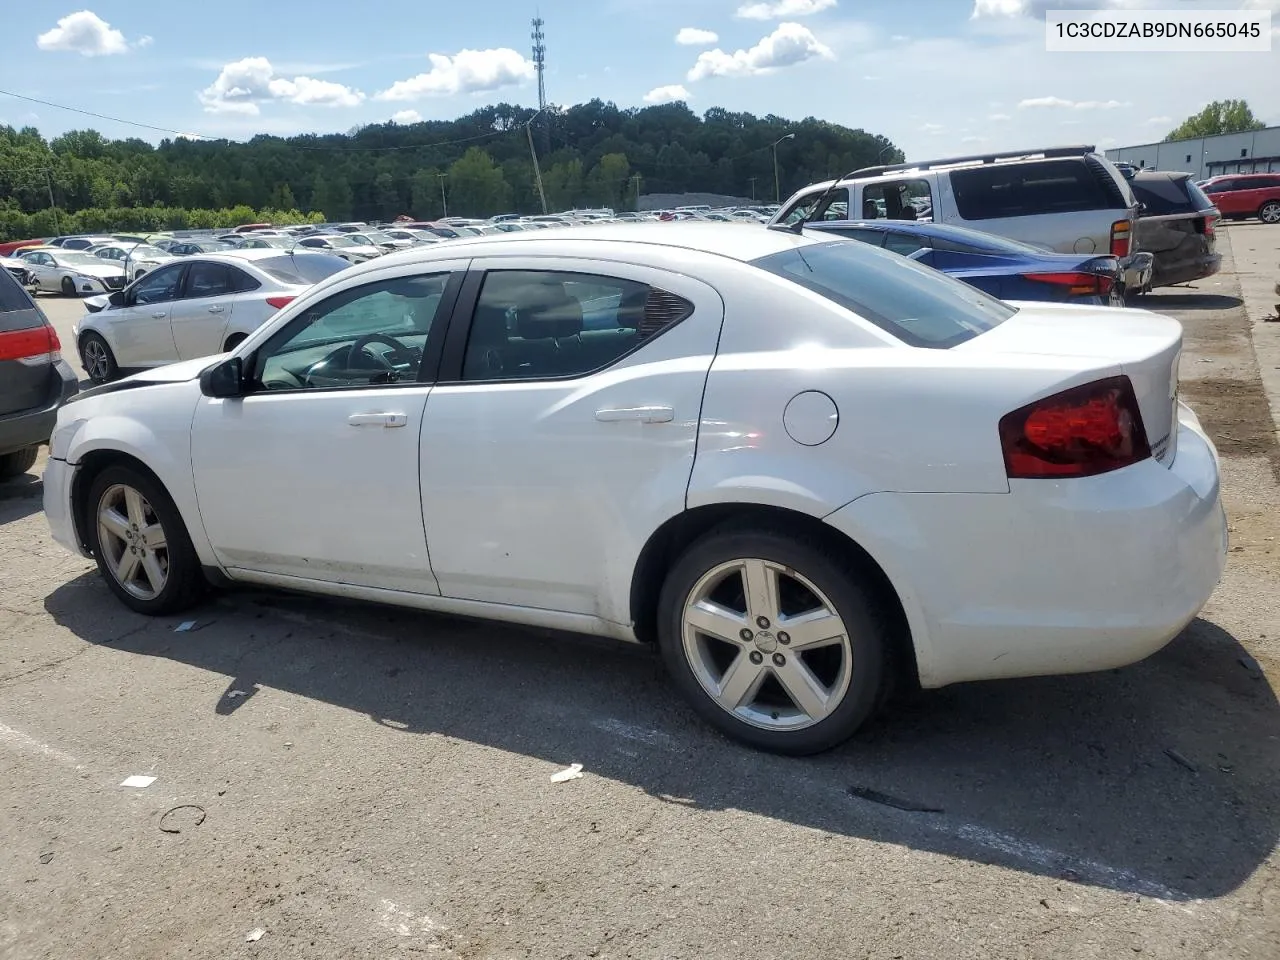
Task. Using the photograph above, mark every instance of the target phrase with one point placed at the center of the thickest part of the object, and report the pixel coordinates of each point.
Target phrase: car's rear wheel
(68, 287)
(140, 542)
(17, 463)
(773, 641)
(233, 341)
(1270, 212)
(97, 359)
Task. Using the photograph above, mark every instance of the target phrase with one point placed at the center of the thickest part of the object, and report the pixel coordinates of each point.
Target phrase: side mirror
(225, 379)
(116, 299)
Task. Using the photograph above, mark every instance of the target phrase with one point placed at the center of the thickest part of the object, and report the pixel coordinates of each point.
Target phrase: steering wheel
(358, 349)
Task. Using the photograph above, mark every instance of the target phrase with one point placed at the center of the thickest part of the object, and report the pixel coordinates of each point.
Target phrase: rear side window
(302, 268)
(1161, 196)
(915, 303)
(13, 298)
(995, 191)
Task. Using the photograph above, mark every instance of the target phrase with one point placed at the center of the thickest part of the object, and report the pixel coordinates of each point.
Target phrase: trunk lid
(1144, 345)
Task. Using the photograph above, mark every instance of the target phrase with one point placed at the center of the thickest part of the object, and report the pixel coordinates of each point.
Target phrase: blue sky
(936, 76)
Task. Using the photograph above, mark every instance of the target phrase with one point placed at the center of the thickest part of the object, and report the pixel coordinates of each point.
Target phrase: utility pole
(537, 170)
(636, 177)
(777, 183)
(753, 186)
(443, 200)
(540, 65)
(53, 207)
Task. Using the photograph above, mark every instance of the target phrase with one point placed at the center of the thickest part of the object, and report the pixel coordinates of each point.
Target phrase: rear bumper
(1052, 577)
(30, 427)
(1137, 271)
(1184, 271)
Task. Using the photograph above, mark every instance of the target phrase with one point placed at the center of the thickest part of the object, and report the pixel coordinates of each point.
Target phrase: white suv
(1069, 199)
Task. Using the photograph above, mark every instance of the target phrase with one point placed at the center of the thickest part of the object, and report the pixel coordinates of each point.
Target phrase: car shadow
(1160, 779)
(1186, 299)
(20, 497)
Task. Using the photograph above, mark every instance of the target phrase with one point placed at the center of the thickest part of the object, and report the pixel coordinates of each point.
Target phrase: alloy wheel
(133, 541)
(95, 360)
(1270, 213)
(766, 644)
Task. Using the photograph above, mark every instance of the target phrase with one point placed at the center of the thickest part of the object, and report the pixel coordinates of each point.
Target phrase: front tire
(141, 544)
(1270, 212)
(17, 463)
(774, 641)
(68, 287)
(97, 359)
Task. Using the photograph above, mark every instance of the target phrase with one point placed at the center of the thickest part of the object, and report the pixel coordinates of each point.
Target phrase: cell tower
(540, 59)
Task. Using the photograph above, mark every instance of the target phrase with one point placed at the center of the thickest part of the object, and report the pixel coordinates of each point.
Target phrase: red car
(1240, 195)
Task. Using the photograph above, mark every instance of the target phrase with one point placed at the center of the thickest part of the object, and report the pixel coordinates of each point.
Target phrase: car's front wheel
(68, 287)
(774, 641)
(97, 359)
(140, 542)
(1270, 212)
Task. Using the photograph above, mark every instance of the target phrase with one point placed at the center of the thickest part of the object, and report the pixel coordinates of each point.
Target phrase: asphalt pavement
(353, 781)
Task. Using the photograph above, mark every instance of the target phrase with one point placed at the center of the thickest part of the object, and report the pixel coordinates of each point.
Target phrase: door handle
(161, 315)
(652, 414)
(215, 309)
(378, 419)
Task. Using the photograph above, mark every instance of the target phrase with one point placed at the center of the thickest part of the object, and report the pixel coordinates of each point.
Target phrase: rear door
(1226, 197)
(25, 361)
(201, 313)
(43, 271)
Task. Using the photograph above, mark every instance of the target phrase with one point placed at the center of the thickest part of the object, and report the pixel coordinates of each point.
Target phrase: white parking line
(28, 744)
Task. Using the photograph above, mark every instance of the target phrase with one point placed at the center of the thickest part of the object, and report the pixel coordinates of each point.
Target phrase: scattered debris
(1205, 360)
(888, 800)
(186, 626)
(46, 857)
(138, 781)
(195, 819)
(1179, 759)
(571, 772)
(236, 693)
(1252, 665)
(254, 935)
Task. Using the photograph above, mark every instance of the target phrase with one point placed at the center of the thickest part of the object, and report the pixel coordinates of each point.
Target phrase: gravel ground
(355, 781)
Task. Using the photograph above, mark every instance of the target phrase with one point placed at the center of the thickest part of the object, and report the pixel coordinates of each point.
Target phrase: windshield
(377, 236)
(78, 260)
(915, 303)
(302, 268)
(337, 240)
(143, 250)
(212, 246)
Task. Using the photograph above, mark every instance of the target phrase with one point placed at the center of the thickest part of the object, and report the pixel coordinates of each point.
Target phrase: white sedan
(135, 259)
(800, 467)
(72, 273)
(192, 307)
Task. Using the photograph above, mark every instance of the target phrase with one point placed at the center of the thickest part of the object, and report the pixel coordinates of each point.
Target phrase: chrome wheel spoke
(803, 688)
(126, 567)
(740, 683)
(153, 537)
(135, 505)
(153, 571)
(817, 628)
(716, 621)
(115, 523)
(760, 584)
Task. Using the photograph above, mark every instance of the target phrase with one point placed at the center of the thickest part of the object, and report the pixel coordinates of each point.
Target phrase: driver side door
(139, 331)
(312, 475)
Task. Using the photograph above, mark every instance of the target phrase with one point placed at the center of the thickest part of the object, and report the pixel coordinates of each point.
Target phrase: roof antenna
(798, 227)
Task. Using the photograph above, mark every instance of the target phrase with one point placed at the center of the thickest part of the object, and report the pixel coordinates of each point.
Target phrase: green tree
(607, 182)
(1221, 116)
(424, 193)
(332, 196)
(563, 183)
(477, 186)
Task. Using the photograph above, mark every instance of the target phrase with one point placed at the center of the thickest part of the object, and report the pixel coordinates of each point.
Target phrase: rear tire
(68, 287)
(233, 341)
(17, 463)
(97, 359)
(1270, 212)
(140, 542)
(836, 661)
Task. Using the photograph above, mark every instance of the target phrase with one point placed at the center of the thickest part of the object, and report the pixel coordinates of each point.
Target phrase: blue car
(996, 265)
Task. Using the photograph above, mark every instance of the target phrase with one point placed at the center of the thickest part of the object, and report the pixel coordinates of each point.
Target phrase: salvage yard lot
(356, 781)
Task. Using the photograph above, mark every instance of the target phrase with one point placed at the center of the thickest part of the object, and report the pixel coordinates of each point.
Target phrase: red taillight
(278, 302)
(1080, 432)
(37, 345)
(1210, 220)
(1078, 284)
(1120, 238)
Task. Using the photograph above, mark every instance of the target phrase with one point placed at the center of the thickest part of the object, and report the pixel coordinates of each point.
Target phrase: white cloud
(1157, 121)
(972, 139)
(998, 117)
(470, 71)
(406, 116)
(693, 37)
(932, 128)
(84, 33)
(1059, 103)
(788, 45)
(782, 8)
(145, 40)
(667, 94)
(242, 85)
(1036, 8)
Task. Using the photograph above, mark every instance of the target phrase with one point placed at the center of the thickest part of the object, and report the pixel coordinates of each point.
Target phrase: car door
(42, 271)
(203, 309)
(563, 429)
(1225, 197)
(139, 331)
(313, 473)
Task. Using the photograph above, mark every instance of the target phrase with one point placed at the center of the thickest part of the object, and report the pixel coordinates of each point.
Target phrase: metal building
(1254, 152)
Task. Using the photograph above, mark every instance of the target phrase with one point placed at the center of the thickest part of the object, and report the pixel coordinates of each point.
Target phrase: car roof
(736, 241)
